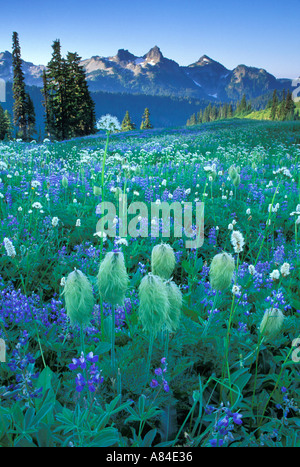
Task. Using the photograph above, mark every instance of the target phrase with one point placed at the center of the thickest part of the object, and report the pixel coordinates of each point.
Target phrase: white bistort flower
(37, 205)
(237, 241)
(55, 221)
(121, 241)
(236, 289)
(285, 269)
(275, 274)
(101, 235)
(10, 249)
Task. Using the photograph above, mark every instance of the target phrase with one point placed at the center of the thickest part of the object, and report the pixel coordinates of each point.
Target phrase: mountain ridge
(155, 74)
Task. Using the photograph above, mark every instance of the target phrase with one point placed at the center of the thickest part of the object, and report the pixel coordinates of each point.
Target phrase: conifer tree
(193, 119)
(274, 105)
(56, 98)
(82, 119)
(30, 112)
(127, 124)
(199, 116)
(2, 124)
(69, 108)
(5, 124)
(281, 110)
(46, 103)
(289, 106)
(19, 93)
(146, 124)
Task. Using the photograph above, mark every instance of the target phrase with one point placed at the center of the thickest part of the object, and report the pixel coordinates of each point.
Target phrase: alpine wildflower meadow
(114, 332)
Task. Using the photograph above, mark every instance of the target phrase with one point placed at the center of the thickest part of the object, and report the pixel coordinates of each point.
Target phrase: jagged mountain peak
(155, 74)
(154, 54)
(5, 55)
(205, 60)
(125, 56)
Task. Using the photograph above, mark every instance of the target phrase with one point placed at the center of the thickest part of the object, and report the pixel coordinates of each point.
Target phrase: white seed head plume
(112, 278)
(271, 323)
(163, 261)
(79, 298)
(154, 304)
(221, 271)
(175, 301)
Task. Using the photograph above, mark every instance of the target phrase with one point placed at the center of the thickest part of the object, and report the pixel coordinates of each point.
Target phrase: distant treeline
(280, 108)
(166, 111)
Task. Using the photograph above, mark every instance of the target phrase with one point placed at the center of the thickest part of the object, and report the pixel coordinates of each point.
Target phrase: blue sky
(261, 33)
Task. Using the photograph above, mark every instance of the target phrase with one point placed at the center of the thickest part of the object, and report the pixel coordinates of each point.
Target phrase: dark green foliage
(283, 109)
(5, 124)
(69, 108)
(146, 124)
(127, 124)
(23, 109)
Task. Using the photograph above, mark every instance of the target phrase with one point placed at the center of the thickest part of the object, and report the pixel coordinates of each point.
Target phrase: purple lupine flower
(237, 418)
(154, 383)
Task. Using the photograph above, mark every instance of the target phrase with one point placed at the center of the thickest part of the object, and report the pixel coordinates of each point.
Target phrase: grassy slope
(265, 114)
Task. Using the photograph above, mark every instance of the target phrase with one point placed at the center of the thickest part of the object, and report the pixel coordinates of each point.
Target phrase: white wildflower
(285, 269)
(108, 123)
(78, 223)
(275, 274)
(237, 241)
(10, 249)
(121, 241)
(101, 235)
(236, 289)
(37, 205)
(55, 221)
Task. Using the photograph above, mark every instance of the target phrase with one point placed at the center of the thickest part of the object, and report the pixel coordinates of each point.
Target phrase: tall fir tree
(30, 112)
(19, 93)
(69, 108)
(281, 110)
(127, 124)
(46, 103)
(5, 124)
(146, 124)
(56, 95)
(82, 111)
(274, 105)
(289, 106)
